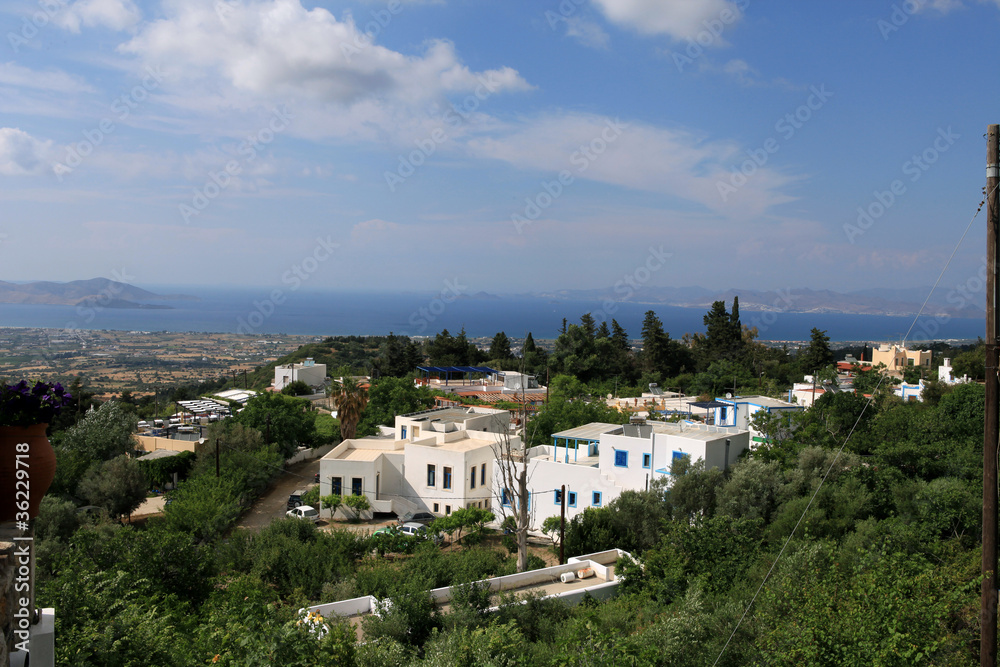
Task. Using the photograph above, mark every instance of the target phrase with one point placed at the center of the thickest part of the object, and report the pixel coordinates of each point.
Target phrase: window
(416, 432)
(473, 485)
(430, 474)
(558, 496)
(596, 501)
(447, 510)
(505, 497)
(357, 485)
(571, 498)
(404, 433)
(679, 455)
(447, 478)
(337, 484)
(482, 476)
(436, 510)
(486, 504)
(621, 458)
(646, 460)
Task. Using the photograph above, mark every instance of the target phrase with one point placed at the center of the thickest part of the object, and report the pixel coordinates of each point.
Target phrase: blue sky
(505, 146)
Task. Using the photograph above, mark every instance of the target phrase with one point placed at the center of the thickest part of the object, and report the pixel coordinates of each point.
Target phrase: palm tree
(351, 399)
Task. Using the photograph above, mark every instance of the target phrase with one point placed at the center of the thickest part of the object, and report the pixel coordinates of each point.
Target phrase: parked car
(304, 512)
(419, 530)
(424, 518)
(295, 498)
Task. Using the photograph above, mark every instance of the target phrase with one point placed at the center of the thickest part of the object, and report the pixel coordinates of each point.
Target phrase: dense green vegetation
(881, 570)
(809, 551)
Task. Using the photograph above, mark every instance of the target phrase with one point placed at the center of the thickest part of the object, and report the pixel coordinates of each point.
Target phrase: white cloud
(52, 81)
(374, 230)
(587, 32)
(114, 14)
(942, 6)
(21, 154)
(642, 157)
(265, 52)
(679, 19)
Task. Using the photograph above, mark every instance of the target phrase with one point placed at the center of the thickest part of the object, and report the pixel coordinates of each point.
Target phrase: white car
(414, 529)
(304, 512)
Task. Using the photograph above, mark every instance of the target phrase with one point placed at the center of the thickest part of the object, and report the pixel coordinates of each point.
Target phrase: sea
(270, 312)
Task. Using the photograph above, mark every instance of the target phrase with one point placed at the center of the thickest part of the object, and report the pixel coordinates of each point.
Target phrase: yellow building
(898, 359)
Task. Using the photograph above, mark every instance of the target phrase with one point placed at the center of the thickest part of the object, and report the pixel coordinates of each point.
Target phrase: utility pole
(988, 609)
(562, 526)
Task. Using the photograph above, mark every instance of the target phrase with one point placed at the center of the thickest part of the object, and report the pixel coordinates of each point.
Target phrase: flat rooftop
(572, 459)
(467, 442)
(693, 431)
(763, 401)
(592, 431)
(359, 454)
(446, 415)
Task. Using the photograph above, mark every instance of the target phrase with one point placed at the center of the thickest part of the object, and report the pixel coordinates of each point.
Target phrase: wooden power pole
(988, 610)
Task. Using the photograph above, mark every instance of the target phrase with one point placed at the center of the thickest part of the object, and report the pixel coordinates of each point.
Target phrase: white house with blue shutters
(596, 462)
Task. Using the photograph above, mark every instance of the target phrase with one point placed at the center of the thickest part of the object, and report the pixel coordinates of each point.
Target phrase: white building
(436, 461)
(308, 371)
(909, 392)
(946, 374)
(740, 411)
(806, 393)
(596, 462)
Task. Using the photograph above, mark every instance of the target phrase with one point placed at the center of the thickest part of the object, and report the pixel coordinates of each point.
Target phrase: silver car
(304, 512)
(414, 529)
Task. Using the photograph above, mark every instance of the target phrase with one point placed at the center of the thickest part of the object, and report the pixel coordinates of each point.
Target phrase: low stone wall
(149, 443)
(309, 454)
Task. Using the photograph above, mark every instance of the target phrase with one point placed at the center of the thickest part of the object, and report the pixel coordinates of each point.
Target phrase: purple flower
(21, 405)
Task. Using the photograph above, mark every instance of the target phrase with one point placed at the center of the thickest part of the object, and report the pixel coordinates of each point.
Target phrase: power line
(842, 446)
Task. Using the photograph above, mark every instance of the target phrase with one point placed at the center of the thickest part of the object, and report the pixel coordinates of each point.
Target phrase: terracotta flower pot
(39, 469)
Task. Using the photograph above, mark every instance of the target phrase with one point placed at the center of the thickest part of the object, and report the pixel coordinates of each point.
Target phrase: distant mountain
(94, 292)
(873, 301)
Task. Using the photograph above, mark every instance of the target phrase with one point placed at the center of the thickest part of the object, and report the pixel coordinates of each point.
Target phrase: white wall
(634, 475)
(418, 456)
(544, 477)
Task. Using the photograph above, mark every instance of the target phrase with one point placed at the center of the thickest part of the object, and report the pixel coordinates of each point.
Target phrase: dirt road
(274, 502)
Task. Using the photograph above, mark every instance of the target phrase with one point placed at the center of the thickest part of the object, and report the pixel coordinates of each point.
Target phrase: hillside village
(476, 496)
